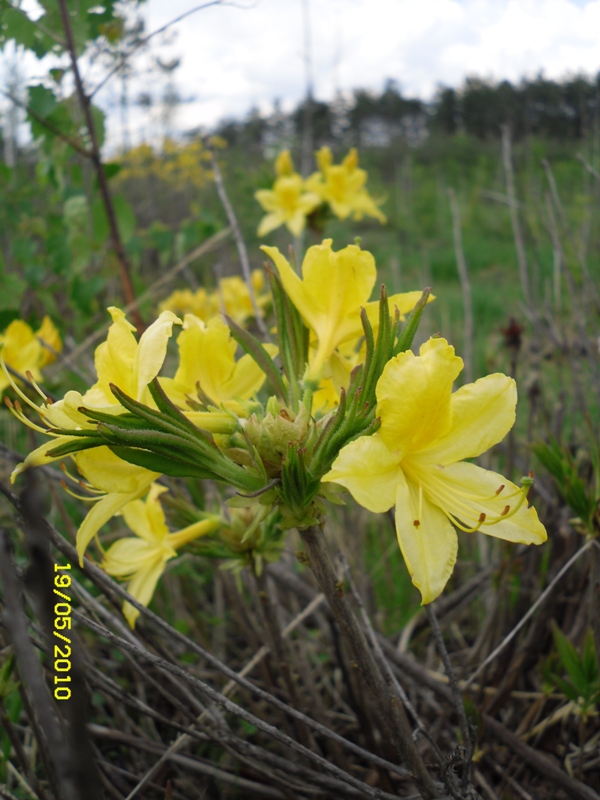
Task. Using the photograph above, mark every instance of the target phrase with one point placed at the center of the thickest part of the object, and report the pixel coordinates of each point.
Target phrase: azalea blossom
(112, 483)
(231, 296)
(142, 559)
(343, 186)
(329, 296)
(288, 202)
(23, 349)
(120, 360)
(207, 360)
(416, 462)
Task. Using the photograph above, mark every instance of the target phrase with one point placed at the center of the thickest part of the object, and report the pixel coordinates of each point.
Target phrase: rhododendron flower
(120, 360)
(114, 482)
(231, 296)
(333, 289)
(343, 186)
(287, 203)
(207, 359)
(23, 350)
(142, 559)
(416, 461)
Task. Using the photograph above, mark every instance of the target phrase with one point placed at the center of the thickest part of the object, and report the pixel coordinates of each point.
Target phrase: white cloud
(233, 58)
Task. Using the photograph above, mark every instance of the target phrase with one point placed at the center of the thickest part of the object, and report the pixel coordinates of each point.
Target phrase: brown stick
(390, 711)
(95, 157)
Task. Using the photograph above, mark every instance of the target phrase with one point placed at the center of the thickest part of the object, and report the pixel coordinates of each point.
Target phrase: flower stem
(389, 709)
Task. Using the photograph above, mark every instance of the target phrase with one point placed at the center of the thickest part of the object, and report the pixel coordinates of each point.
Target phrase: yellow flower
(231, 296)
(343, 186)
(329, 297)
(415, 461)
(143, 559)
(129, 364)
(50, 336)
(207, 358)
(116, 483)
(120, 360)
(287, 202)
(234, 296)
(24, 352)
(200, 303)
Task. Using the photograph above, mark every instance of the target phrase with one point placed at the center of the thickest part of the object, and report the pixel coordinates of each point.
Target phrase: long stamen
(33, 382)
(84, 484)
(17, 411)
(65, 486)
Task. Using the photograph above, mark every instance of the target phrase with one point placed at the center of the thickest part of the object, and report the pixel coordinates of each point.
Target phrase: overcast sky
(237, 56)
(234, 58)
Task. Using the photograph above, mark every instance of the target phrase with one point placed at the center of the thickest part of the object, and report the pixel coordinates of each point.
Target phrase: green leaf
(570, 661)
(42, 100)
(125, 219)
(13, 289)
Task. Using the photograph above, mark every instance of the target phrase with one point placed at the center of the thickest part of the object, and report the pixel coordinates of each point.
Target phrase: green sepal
(256, 350)
(407, 334)
(156, 462)
(84, 443)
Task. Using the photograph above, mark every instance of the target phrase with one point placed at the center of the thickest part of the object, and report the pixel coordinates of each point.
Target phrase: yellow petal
(246, 378)
(369, 471)
(270, 223)
(106, 471)
(127, 556)
(466, 491)
(99, 515)
(146, 519)
(206, 356)
(40, 457)
(482, 414)
(334, 287)
(413, 396)
(48, 334)
(114, 358)
(151, 352)
(403, 301)
(324, 158)
(429, 548)
(284, 164)
(142, 586)
(267, 198)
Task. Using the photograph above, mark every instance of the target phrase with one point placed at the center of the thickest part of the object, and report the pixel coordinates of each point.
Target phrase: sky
(235, 56)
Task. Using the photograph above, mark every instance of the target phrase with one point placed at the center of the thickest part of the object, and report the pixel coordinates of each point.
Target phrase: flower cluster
(349, 406)
(292, 199)
(231, 296)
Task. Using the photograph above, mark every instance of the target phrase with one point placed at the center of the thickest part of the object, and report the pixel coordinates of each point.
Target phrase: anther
(500, 488)
(505, 512)
(8, 402)
(482, 518)
(416, 523)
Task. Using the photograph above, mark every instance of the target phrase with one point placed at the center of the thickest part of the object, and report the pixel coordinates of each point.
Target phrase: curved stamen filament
(33, 382)
(17, 412)
(65, 486)
(452, 498)
(14, 386)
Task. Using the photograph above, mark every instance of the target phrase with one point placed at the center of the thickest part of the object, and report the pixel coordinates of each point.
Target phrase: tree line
(562, 110)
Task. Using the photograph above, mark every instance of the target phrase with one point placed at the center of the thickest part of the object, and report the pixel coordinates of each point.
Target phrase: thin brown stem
(239, 239)
(95, 157)
(389, 709)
